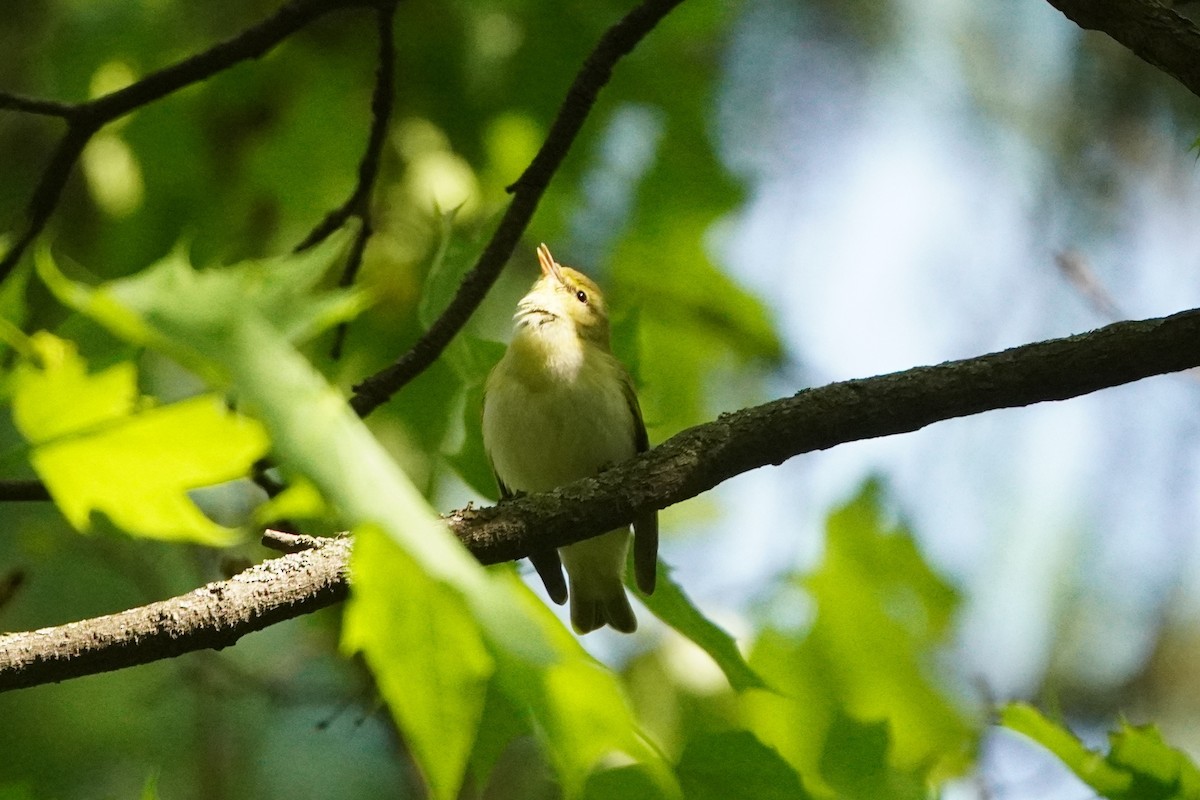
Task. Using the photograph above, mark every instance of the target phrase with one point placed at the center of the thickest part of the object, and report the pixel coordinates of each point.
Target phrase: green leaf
(866, 661)
(854, 761)
(471, 460)
(150, 787)
(586, 717)
(56, 396)
(17, 791)
(417, 593)
(97, 451)
(444, 275)
(299, 500)
(577, 704)
(188, 312)
(12, 294)
(430, 659)
(623, 783)
(1139, 764)
(734, 764)
(500, 723)
(670, 604)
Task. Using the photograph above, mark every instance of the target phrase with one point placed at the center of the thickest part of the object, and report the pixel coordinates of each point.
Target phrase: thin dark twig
(527, 191)
(49, 190)
(253, 42)
(358, 204)
(10, 101)
(349, 274)
(85, 118)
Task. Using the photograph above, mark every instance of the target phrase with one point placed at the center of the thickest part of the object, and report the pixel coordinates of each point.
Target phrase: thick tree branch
(1151, 30)
(213, 616)
(85, 118)
(690, 463)
(527, 191)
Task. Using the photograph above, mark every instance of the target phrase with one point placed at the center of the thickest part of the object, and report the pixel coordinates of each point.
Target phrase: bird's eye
(581, 296)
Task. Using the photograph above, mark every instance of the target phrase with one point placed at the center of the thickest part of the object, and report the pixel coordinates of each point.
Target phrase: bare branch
(358, 203)
(617, 41)
(11, 101)
(1152, 31)
(690, 463)
(213, 616)
(287, 542)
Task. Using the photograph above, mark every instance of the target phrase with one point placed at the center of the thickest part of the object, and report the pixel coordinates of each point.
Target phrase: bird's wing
(545, 561)
(645, 525)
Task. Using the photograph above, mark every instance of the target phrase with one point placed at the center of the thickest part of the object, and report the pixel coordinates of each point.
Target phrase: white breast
(566, 421)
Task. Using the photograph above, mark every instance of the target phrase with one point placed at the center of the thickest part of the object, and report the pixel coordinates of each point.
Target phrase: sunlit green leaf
(1138, 766)
(426, 651)
(98, 451)
(56, 396)
(863, 672)
(299, 500)
(672, 605)
(577, 704)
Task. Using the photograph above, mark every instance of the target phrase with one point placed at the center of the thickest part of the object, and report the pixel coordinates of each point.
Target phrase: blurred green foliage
(486, 689)
(859, 710)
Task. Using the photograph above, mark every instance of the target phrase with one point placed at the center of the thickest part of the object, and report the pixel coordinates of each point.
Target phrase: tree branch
(85, 118)
(690, 463)
(213, 616)
(527, 191)
(1152, 31)
(10, 101)
(358, 204)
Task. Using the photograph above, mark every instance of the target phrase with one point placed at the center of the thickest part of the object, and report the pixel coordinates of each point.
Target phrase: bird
(559, 407)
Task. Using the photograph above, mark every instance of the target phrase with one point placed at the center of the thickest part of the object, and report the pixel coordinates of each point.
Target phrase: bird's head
(564, 295)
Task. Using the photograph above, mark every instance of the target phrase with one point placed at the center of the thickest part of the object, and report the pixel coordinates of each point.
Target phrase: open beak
(549, 265)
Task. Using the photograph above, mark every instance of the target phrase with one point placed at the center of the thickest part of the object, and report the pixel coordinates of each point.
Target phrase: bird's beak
(549, 265)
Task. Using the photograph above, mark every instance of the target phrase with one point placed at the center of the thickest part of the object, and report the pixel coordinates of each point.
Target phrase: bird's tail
(590, 613)
(598, 598)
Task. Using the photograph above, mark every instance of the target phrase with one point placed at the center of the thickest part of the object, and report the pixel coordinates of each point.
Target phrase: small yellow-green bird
(559, 407)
